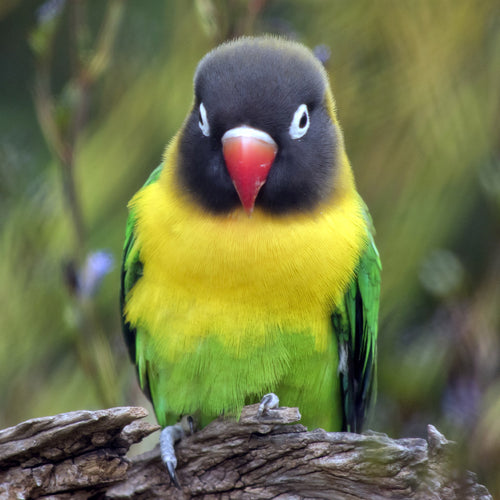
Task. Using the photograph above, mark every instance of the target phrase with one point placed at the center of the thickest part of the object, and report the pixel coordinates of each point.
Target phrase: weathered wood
(68, 452)
(82, 455)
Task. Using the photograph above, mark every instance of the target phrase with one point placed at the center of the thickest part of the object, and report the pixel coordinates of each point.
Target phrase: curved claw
(191, 424)
(171, 472)
(268, 402)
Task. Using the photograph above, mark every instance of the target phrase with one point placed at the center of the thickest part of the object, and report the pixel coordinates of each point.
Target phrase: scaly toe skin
(268, 402)
(168, 437)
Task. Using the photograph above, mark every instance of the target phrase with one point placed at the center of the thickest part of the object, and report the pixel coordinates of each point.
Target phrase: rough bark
(81, 455)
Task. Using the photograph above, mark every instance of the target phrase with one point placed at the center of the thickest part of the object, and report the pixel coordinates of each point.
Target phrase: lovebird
(250, 271)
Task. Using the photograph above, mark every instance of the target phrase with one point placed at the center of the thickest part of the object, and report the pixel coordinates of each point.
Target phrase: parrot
(250, 271)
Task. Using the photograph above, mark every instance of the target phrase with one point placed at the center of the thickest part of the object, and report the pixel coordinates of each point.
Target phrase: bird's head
(262, 131)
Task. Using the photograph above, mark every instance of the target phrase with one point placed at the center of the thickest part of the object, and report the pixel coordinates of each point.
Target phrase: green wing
(356, 323)
(131, 273)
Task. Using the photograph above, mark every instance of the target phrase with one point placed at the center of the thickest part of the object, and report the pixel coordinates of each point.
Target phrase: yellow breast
(237, 277)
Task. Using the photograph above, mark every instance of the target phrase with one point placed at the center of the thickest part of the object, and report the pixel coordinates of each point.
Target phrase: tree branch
(82, 455)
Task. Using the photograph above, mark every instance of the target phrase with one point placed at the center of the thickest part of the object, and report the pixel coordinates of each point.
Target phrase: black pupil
(199, 116)
(303, 120)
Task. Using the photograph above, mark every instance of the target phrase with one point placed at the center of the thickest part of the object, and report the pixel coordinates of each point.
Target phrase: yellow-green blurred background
(417, 85)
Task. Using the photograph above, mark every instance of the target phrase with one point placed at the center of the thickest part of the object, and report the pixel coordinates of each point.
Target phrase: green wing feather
(356, 323)
(131, 272)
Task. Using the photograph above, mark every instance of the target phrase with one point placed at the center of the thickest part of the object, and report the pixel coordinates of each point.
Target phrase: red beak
(249, 154)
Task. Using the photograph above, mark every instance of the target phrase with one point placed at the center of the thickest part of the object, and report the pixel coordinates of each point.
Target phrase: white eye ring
(300, 122)
(203, 123)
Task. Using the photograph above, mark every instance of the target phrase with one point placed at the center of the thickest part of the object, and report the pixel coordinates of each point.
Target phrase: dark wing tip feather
(129, 332)
(355, 323)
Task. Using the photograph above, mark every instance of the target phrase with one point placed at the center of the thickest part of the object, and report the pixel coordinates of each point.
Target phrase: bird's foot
(168, 437)
(268, 402)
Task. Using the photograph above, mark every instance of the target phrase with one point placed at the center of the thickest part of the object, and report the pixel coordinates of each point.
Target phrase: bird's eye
(203, 120)
(300, 122)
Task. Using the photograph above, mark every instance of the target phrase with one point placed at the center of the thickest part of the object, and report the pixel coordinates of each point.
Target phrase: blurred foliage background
(90, 93)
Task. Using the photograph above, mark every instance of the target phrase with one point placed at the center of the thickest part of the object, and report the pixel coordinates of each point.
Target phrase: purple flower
(97, 265)
(49, 10)
(323, 53)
